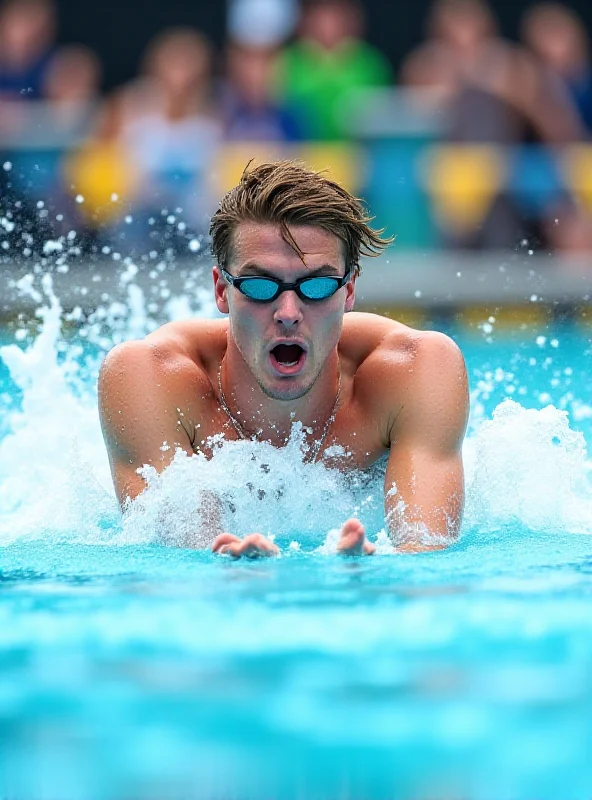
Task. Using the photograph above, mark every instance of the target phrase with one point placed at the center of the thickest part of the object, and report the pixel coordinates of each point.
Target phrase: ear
(220, 290)
(350, 296)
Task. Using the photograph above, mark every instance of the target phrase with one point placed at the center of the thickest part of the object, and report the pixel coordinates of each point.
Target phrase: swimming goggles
(265, 290)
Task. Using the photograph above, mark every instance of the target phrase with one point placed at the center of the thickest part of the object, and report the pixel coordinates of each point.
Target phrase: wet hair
(286, 193)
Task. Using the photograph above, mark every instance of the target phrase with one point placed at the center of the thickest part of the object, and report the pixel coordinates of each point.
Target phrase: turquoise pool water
(131, 669)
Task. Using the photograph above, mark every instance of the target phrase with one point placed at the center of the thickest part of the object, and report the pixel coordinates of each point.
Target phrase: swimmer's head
(288, 223)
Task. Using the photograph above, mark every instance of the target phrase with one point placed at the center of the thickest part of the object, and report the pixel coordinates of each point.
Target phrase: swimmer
(287, 243)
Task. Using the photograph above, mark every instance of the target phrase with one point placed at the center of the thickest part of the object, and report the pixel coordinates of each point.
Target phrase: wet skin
(403, 391)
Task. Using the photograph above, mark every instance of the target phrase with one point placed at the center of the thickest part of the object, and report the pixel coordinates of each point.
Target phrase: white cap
(261, 23)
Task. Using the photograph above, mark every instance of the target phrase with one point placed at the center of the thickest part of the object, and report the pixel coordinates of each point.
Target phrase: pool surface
(132, 669)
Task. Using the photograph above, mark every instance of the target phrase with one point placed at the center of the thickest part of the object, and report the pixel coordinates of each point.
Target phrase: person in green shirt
(326, 63)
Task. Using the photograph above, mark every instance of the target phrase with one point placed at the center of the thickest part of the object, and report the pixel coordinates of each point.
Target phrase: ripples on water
(132, 669)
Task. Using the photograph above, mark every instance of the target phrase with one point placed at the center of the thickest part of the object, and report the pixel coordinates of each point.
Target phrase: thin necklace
(242, 434)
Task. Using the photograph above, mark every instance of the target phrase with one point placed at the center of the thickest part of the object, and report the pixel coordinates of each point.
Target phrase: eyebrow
(252, 269)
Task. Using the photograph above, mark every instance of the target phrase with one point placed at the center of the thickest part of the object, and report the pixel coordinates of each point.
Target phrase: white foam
(528, 466)
(524, 466)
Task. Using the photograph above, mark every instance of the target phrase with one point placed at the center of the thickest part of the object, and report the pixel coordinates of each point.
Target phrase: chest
(354, 440)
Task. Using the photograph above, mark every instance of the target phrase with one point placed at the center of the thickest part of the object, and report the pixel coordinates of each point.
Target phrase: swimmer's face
(286, 342)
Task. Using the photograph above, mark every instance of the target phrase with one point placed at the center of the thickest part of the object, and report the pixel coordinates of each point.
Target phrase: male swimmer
(287, 243)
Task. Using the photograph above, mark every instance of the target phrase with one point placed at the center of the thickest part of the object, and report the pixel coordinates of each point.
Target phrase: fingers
(369, 548)
(353, 540)
(255, 545)
(222, 541)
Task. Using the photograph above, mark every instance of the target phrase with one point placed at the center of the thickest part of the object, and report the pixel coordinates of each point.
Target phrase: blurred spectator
(102, 173)
(251, 113)
(73, 76)
(328, 62)
(71, 88)
(557, 36)
(494, 93)
(27, 34)
(457, 34)
(261, 23)
(168, 125)
(71, 85)
(494, 90)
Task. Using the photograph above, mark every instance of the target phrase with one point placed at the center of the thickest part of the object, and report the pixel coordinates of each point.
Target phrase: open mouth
(287, 358)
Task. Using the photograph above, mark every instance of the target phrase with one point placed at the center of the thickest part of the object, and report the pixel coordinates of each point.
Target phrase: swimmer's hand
(353, 540)
(255, 545)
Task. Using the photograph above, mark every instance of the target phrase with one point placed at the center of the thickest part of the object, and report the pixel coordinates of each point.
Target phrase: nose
(288, 309)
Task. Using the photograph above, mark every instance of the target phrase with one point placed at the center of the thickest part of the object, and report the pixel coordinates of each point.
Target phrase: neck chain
(242, 434)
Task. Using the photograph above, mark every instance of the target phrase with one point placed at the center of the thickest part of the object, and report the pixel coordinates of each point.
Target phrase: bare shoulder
(379, 341)
(142, 365)
(432, 391)
(161, 383)
(425, 350)
(408, 378)
(177, 351)
(155, 392)
(420, 361)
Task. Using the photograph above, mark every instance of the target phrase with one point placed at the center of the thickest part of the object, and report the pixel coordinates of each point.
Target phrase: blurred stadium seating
(482, 149)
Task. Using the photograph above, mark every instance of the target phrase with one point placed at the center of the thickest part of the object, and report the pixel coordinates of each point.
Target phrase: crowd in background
(146, 156)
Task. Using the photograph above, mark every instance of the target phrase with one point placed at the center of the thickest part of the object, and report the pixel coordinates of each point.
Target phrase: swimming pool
(130, 669)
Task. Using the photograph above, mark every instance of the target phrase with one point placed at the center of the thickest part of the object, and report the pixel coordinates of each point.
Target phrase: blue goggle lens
(259, 288)
(319, 288)
(313, 288)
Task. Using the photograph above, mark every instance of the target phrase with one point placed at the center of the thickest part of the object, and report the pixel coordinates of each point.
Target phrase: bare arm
(141, 416)
(147, 399)
(424, 486)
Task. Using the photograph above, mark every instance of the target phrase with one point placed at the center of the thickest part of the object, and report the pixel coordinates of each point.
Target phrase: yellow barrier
(506, 317)
(102, 173)
(462, 181)
(344, 162)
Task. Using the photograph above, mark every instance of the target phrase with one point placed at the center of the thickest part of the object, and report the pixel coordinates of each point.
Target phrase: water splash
(46, 486)
(525, 467)
(528, 466)
(261, 489)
